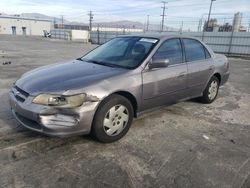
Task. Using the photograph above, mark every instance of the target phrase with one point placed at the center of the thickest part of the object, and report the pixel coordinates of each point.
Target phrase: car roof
(161, 36)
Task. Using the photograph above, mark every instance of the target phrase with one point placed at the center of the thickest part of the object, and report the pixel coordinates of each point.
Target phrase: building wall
(236, 22)
(33, 26)
(116, 29)
(67, 34)
(80, 35)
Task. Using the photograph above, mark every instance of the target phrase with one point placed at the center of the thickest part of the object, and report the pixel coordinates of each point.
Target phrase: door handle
(211, 67)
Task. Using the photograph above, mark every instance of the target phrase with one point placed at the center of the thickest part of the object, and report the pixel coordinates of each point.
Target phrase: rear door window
(194, 50)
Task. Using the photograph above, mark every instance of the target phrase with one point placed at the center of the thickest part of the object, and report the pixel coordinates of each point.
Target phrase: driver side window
(171, 50)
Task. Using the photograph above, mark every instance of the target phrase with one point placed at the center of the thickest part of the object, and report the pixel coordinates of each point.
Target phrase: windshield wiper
(79, 59)
(102, 63)
(94, 61)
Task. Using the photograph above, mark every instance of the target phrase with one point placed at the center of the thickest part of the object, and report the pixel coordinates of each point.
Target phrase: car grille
(28, 122)
(20, 94)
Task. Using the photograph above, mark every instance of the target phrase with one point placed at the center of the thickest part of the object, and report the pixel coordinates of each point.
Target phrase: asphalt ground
(184, 145)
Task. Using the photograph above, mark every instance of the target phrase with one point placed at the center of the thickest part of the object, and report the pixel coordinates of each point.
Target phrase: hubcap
(212, 90)
(115, 120)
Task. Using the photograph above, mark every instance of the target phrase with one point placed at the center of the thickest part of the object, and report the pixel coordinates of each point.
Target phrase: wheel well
(217, 75)
(131, 98)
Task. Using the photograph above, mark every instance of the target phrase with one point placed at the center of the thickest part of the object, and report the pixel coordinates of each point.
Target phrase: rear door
(200, 66)
(167, 84)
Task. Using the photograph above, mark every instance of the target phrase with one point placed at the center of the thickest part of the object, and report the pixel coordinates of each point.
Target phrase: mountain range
(122, 23)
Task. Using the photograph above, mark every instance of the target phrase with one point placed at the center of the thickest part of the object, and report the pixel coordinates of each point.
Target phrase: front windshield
(126, 52)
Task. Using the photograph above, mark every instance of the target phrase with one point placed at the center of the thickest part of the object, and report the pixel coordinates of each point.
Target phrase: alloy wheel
(212, 90)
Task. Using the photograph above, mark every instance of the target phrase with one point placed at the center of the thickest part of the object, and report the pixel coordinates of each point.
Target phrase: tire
(113, 119)
(211, 91)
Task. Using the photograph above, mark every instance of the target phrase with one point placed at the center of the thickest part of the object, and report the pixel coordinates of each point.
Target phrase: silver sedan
(101, 92)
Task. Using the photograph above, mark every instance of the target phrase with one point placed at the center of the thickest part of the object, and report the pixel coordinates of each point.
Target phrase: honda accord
(101, 92)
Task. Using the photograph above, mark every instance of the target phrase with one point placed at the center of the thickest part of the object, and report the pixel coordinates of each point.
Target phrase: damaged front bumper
(49, 120)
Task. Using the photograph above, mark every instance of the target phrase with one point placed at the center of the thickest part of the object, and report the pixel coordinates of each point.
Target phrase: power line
(163, 15)
(142, 8)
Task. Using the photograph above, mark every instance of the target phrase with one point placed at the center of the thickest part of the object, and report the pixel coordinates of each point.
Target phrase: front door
(168, 84)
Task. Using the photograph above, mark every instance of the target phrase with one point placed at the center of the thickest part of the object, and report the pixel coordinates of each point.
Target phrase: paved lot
(185, 145)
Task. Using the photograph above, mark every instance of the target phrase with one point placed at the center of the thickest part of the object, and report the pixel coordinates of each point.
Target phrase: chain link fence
(229, 43)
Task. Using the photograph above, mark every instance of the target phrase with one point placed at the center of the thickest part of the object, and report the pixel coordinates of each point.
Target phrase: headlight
(60, 100)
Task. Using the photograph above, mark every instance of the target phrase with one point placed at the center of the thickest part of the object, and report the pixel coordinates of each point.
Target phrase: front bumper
(51, 121)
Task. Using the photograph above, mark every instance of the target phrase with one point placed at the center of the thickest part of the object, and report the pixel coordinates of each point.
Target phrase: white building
(116, 29)
(15, 25)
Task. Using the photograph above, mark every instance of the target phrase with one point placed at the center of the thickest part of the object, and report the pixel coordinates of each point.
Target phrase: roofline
(159, 36)
(23, 18)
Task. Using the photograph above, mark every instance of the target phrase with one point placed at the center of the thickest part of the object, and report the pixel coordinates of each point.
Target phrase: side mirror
(158, 63)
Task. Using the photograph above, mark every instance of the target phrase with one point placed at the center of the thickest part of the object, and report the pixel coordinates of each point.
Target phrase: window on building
(13, 28)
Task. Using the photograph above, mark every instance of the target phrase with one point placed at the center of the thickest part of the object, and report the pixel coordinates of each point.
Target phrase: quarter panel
(199, 73)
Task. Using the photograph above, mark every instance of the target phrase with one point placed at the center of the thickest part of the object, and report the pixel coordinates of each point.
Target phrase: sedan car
(101, 92)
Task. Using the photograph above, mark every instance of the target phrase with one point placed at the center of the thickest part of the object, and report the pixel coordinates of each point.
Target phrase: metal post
(62, 22)
(98, 34)
(249, 26)
(54, 22)
(199, 25)
(203, 33)
(231, 38)
(181, 27)
(147, 22)
(230, 42)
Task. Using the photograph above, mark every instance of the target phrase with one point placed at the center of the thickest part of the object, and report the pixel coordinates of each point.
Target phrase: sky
(188, 11)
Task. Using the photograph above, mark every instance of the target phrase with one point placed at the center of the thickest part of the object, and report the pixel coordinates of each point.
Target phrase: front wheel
(113, 119)
(211, 91)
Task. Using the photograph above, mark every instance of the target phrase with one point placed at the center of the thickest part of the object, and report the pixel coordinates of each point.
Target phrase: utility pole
(163, 15)
(210, 11)
(62, 22)
(91, 16)
(147, 22)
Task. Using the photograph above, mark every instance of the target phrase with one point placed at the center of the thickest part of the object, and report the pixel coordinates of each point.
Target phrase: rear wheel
(211, 91)
(112, 119)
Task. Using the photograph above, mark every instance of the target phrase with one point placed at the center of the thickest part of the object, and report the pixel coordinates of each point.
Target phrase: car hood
(67, 76)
